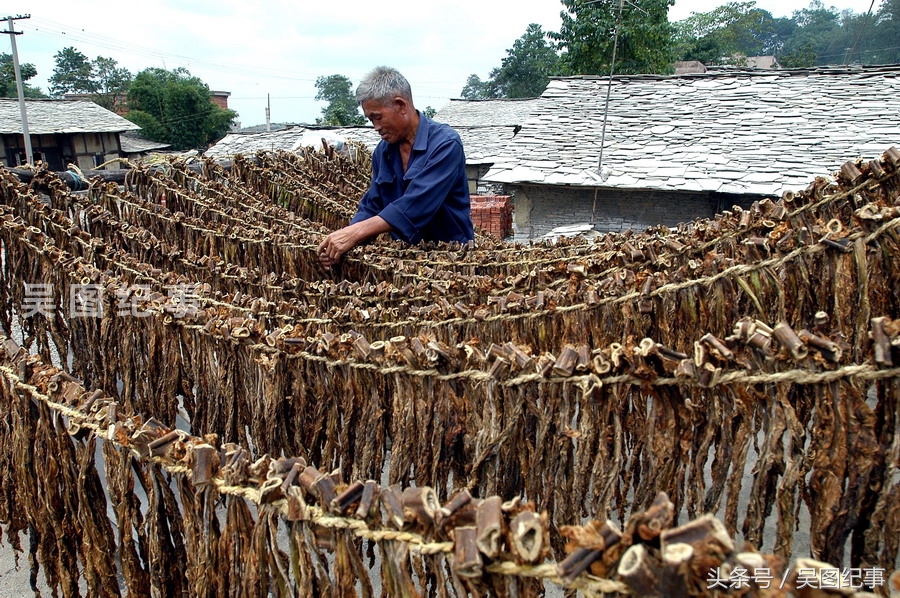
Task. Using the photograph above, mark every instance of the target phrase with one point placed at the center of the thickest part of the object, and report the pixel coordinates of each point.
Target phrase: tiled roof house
(485, 127)
(682, 147)
(62, 132)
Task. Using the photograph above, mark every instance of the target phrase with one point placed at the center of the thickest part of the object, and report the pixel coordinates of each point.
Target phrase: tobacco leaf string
(230, 373)
(238, 515)
(562, 309)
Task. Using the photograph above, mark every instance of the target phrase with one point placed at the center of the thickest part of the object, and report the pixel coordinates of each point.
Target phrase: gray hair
(382, 85)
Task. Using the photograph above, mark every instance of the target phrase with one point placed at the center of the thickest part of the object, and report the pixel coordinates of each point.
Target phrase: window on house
(22, 158)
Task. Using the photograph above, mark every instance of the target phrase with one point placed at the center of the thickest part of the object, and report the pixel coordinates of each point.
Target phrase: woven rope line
(283, 184)
(588, 380)
(145, 276)
(737, 271)
(527, 249)
(833, 198)
(194, 222)
(797, 376)
(358, 527)
(335, 211)
(733, 234)
(189, 265)
(109, 254)
(550, 572)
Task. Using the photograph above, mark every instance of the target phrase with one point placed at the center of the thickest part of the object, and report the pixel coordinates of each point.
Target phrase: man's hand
(335, 245)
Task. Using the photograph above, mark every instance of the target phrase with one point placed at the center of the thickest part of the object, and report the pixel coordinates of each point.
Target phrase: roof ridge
(721, 72)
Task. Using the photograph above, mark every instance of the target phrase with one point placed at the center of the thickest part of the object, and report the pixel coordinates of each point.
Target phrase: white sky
(277, 48)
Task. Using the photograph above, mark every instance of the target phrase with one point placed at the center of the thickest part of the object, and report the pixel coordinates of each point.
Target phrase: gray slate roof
(132, 143)
(755, 132)
(485, 126)
(46, 117)
(285, 139)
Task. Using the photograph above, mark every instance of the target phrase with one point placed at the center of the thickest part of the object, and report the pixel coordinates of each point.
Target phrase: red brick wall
(493, 213)
(220, 98)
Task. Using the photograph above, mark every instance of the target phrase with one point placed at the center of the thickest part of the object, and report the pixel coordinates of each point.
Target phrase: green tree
(877, 37)
(798, 58)
(342, 109)
(429, 111)
(8, 87)
(588, 31)
(102, 79)
(176, 108)
(112, 82)
(528, 65)
(733, 29)
(476, 89)
(819, 29)
(72, 74)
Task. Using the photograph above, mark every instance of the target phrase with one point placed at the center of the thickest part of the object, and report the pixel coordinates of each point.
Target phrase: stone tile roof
(46, 117)
(485, 126)
(486, 113)
(753, 132)
(250, 143)
(133, 143)
(286, 139)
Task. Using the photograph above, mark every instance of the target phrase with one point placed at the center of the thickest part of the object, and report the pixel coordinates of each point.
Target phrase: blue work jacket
(430, 201)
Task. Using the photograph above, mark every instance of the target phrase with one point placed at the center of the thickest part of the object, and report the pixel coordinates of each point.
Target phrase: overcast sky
(273, 50)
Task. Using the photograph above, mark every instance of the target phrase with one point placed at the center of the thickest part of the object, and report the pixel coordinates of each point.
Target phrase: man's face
(389, 120)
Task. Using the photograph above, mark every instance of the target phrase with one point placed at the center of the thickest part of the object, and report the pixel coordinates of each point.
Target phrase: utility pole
(268, 113)
(29, 156)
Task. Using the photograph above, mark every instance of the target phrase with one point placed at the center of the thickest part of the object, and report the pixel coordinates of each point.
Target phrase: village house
(485, 127)
(669, 149)
(62, 132)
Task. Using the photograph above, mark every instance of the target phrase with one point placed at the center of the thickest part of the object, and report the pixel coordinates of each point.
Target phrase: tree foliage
(588, 34)
(72, 73)
(112, 82)
(814, 36)
(729, 31)
(102, 78)
(648, 43)
(342, 109)
(476, 89)
(8, 87)
(176, 108)
(820, 28)
(523, 73)
(528, 65)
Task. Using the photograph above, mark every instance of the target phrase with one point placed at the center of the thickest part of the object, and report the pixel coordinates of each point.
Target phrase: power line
(859, 33)
(46, 27)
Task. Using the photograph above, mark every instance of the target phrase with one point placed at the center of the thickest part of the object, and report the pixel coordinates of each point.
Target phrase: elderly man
(419, 189)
